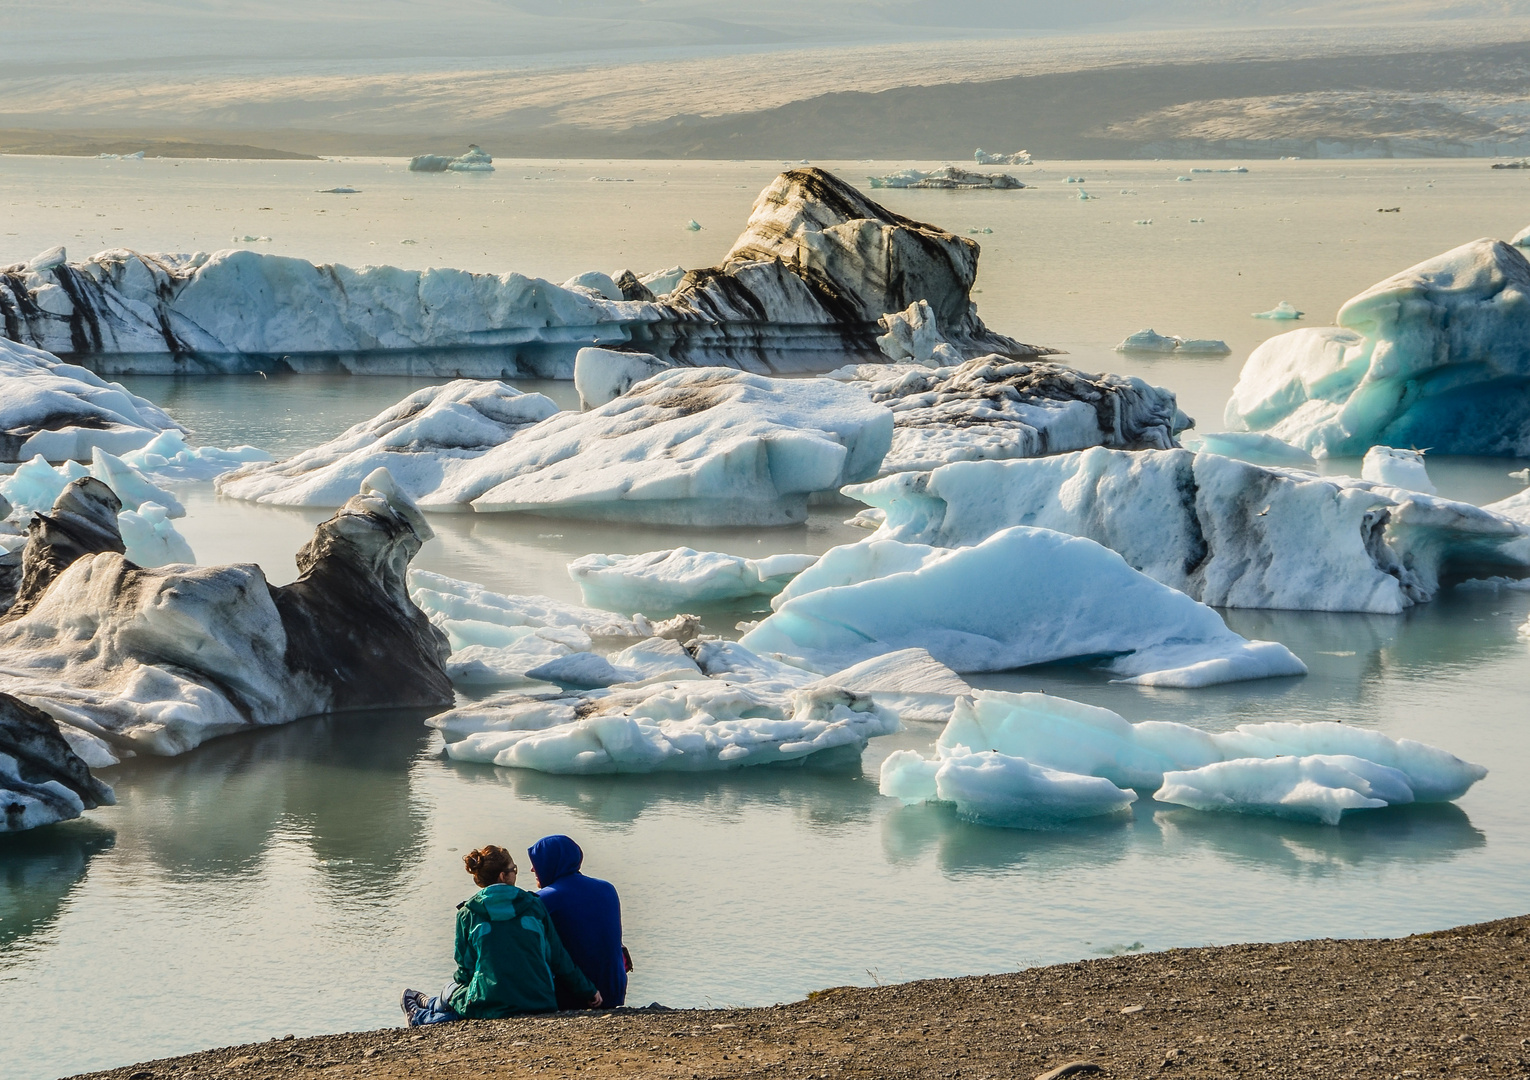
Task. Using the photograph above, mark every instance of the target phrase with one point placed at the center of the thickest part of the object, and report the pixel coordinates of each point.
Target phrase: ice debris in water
(340, 191)
(168, 457)
(1023, 596)
(949, 177)
(689, 726)
(1437, 356)
(1229, 533)
(1308, 771)
(1143, 221)
(35, 484)
(248, 239)
(693, 225)
(1282, 310)
(1397, 468)
(63, 412)
(432, 441)
(151, 537)
(1154, 342)
(681, 578)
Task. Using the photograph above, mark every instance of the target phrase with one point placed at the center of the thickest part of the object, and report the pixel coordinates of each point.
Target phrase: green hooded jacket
(508, 955)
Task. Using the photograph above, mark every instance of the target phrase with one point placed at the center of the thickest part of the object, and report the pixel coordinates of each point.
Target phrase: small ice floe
(1388, 209)
(1184, 179)
(1238, 169)
(693, 225)
(1143, 221)
(1022, 596)
(1522, 475)
(1520, 163)
(1282, 310)
(1149, 341)
(35, 485)
(1019, 157)
(984, 231)
(475, 160)
(248, 239)
(1397, 468)
(167, 457)
(339, 191)
(1084, 196)
(947, 178)
(1074, 180)
(1197, 221)
(679, 579)
(408, 241)
(1033, 760)
(611, 179)
(151, 538)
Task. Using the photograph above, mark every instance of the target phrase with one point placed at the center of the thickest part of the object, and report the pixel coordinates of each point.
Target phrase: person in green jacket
(509, 957)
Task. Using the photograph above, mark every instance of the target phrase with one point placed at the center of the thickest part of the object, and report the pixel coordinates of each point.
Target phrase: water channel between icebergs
(294, 880)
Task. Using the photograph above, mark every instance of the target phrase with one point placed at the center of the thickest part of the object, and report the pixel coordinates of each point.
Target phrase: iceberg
(1311, 771)
(690, 726)
(150, 538)
(990, 788)
(1150, 341)
(475, 160)
(802, 289)
(432, 441)
(681, 578)
(167, 457)
(994, 408)
(947, 178)
(1396, 468)
(913, 335)
(602, 375)
(130, 660)
(1023, 596)
(1226, 532)
(1436, 356)
(983, 157)
(1281, 311)
(62, 412)
(42, 780)
(1254, 447)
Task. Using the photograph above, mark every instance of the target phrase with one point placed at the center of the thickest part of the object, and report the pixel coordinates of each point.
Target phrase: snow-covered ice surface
(1034, 752)
(63, 412)
(431, 442)
(994, 408)
(690, 726)
(1023, 596)
(1229, 533)
(801, 289)
(1396, 468)
(681, 578)
(1436, 356)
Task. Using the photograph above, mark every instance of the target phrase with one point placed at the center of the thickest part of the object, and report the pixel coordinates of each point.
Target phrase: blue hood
(555, 857)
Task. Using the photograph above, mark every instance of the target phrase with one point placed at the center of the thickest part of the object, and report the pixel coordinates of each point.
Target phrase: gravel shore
(1455, 1003)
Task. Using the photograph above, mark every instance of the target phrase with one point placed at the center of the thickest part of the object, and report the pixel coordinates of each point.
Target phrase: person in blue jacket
(587, 914)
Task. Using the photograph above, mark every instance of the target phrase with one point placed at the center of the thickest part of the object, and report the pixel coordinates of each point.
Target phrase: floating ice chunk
(602, 375)
(130, 485)
(447, 600)
(983, 157)
(913, 335)
(1434, 356)
(475, 160)
(663, 282)
(693, 225)
(339, 191)
(36, 484)
(1184, 179)
(1522, 475)
(1282, 310)
(1074, 180)
(1084, 196)
(1522, 238)
(697, 446)
(947, 178)
(681, 578)
(432, 440)
(1023, 596)
(1229, 533)
(47, 260)
(1254, 447)
(910, 682)
(167, 457)
(248, 239)
(995, 789)
(62, 412)
(995, 408)
(151, 538)
(695, 726)
(1153, 342)
(1142, 221)
(1317, 788)
(596, 282)
(429, 163)
(1396, 468)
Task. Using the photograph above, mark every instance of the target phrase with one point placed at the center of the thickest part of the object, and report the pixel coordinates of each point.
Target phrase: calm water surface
(295, 880)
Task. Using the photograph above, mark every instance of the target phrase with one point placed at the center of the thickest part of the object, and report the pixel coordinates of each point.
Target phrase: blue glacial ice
(1229, 533)
(1437, 356)
(1150, 341)
(680, 579)
(1023, 596)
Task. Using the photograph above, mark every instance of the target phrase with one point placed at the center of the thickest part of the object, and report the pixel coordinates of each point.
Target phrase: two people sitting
(531, 952)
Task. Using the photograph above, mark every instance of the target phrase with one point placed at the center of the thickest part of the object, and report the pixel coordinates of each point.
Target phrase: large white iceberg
(690, 726)
(681, 578)
(1229, 533)
(947, 178)
(1311, 771)
(990, 788)
(801, 289)
(1023, 596)
(994, 408)
(62, 412)
(1436, 356)
(431, 442)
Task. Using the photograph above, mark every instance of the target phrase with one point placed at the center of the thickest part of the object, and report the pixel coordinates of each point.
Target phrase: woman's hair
(487, 864)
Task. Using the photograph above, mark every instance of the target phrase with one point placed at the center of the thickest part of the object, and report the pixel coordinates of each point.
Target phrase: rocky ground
(1450, 1004)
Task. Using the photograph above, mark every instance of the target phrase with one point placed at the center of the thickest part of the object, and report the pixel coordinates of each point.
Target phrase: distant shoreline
(1451, 1001)
(26, 141)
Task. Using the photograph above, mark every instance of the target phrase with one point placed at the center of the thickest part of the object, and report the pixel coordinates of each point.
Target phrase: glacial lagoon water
(294, 880)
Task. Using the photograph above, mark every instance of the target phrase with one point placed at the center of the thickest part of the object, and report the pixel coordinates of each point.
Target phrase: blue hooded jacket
(586, 913)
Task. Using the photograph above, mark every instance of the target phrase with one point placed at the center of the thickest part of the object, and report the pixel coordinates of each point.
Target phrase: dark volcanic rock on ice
(83, 521)
(42, 780)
